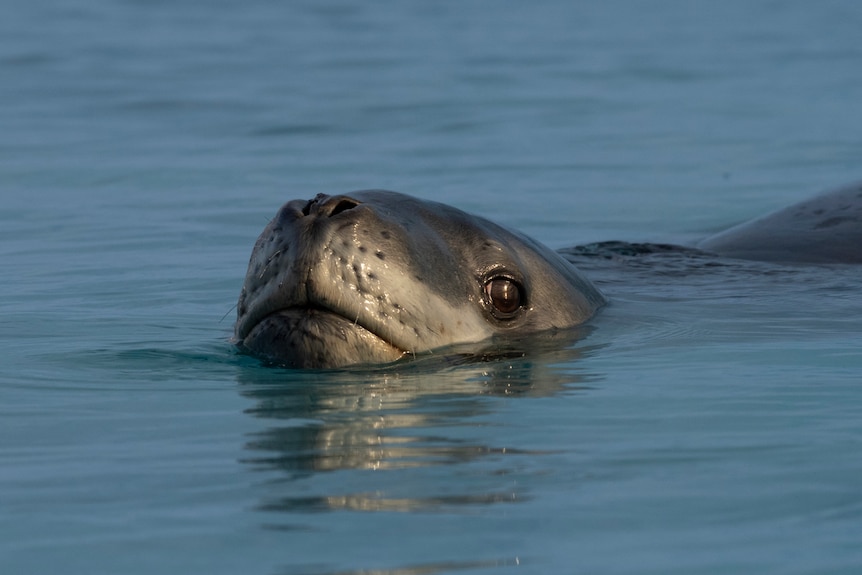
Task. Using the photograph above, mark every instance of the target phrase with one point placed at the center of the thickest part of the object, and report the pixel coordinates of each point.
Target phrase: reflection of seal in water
(373, 276)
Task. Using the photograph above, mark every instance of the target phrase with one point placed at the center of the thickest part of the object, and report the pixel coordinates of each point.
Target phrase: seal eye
(504, 294)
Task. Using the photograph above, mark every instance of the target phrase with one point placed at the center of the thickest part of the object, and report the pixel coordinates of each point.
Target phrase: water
(710, 423)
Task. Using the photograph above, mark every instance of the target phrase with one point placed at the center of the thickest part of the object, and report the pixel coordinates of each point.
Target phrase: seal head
(373, 276)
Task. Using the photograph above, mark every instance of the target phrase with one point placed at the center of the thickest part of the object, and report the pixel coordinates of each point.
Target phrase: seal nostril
(326, 206)
(343, 205)
(307, 208)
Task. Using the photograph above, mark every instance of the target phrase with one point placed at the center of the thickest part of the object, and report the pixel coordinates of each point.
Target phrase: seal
(824, 229)
(374, 276)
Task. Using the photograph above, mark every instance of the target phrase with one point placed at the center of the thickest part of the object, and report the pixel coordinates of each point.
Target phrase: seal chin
(316, 338)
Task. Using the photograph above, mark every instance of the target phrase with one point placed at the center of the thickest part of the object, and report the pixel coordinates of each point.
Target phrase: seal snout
(329, 206)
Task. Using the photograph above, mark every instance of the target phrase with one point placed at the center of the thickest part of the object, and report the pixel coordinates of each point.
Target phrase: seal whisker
(268, 261)
(233, 307)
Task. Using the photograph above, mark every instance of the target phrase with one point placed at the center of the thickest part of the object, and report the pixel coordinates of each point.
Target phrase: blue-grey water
(711, 422)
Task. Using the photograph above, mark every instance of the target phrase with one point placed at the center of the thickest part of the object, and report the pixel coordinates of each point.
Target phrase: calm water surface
(710, 422)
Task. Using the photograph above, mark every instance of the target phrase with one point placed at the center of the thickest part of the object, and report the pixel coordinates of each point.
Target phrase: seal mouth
(317, 337)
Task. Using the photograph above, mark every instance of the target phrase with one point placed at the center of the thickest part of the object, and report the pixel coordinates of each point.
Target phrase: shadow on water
(370, 440)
